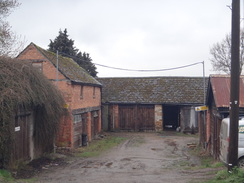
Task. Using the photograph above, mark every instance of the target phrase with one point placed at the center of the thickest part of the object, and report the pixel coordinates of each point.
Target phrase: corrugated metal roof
(220, 85)
(153, 90)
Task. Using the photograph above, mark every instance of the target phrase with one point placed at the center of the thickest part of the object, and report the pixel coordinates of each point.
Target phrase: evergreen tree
(65, 47)
(85, 61)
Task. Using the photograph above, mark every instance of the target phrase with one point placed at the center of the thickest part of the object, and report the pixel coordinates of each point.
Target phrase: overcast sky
(131, 34)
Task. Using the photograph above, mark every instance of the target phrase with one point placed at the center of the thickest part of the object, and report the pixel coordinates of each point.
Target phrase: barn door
(77, 130)
(94, 124)
(127, 117)
(84, 123)
(22, 136)
(145, 118)
(136, 117)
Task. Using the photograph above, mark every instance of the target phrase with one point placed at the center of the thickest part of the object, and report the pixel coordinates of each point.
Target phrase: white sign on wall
(17, 128)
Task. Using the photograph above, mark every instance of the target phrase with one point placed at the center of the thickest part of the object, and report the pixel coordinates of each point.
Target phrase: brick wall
(31, 53)
(64, 135)
(114, 117)
(158, 117)
(91, 96)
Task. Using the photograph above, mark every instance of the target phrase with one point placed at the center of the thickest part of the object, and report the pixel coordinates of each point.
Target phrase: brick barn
(151, 103)
(82, 94)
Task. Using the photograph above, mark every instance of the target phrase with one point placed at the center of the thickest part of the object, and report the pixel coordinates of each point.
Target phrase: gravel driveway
(142, 158)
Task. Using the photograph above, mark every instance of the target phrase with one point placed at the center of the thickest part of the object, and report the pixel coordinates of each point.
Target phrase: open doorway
(171, 117)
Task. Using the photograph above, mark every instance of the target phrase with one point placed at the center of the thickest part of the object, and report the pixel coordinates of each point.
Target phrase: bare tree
(221, 54)
(10, 42)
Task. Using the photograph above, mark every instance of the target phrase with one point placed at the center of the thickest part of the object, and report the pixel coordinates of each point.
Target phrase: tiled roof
(69, 68)
(220, 85)
(153, 90)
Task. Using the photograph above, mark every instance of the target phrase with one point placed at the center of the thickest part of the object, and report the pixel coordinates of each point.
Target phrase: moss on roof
(69, 68)
(153, 90)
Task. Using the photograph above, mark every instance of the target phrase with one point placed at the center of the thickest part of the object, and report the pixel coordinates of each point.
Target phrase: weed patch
(223, 176)
(99, 146)
(5, 176)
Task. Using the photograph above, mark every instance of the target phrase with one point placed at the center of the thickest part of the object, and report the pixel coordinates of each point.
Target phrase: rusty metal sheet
(221, 90)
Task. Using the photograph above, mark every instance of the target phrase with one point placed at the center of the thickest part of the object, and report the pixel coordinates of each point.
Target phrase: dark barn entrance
(171, 117)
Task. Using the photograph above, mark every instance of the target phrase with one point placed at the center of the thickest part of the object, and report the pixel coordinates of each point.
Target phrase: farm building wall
(128, 117)
(131, 117)
(81, 98)
(158, 117)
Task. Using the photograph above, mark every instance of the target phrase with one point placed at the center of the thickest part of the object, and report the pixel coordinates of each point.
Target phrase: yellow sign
(66, 106)
(201, 108)
(241, 129)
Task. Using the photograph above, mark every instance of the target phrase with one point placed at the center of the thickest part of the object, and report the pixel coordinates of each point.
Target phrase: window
(94, 91)
(81, 92)
(37, 65)
(77, 118)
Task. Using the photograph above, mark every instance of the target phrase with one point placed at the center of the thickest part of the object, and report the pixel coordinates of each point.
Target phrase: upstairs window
(81, 92)
(77, 118)
(94, 92)
(38, 66)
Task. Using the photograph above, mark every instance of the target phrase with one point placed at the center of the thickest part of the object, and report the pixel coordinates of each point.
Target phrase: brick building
(151, 103)
(82, 94)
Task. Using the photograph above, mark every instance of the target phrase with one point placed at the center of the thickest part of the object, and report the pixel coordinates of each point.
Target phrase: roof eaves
(85, 83)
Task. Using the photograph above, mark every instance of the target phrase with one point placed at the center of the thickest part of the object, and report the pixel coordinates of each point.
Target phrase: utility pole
(235, 85)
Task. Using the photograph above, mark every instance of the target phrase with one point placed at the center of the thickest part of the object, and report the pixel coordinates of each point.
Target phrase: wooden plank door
(94, 124)
(77, 130)
(21, 149)
(127, 117)
(145, 118)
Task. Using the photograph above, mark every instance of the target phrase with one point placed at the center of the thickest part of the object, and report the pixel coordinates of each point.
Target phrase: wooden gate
(136, 117)
(215, 131)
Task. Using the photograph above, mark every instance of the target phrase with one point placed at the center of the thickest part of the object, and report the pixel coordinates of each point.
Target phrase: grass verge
(207, 161)
(99, 146)
(5, 176)
(223, 176)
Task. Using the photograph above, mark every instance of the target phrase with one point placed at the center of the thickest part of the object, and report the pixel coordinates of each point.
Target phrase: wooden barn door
(136, 117)
(127, 117)
(145, 118)
(77, 130)
(84, 123)
(94, 124)
(22, 136)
